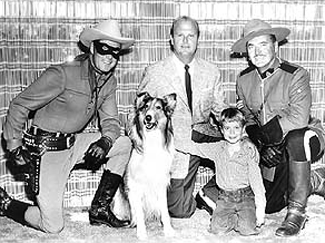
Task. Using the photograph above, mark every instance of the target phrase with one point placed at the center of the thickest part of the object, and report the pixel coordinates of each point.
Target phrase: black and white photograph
(162, 121)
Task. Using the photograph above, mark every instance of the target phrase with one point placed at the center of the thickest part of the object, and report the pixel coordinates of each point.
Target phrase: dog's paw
(169, 232)
(142, 234)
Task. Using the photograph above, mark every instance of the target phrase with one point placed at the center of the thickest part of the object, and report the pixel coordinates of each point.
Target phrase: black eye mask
(105, 49)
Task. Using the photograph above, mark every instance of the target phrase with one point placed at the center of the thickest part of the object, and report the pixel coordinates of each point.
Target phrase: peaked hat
(257, 27)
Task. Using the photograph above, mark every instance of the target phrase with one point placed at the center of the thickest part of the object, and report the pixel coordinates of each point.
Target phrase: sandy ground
(187, 230)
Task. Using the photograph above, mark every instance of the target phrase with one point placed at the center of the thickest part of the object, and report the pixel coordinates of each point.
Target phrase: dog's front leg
(141, 225)
(165, 218)
(138, 217)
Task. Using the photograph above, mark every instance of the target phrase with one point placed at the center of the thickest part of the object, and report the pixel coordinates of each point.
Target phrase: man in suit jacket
(193, 111)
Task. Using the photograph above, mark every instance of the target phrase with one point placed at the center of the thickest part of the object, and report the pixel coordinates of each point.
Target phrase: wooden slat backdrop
(35, 34)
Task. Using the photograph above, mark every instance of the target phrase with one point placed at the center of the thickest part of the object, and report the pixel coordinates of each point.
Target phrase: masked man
(64, 99)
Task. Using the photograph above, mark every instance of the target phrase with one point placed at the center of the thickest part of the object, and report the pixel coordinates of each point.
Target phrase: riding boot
(100, 211)
(317, 179)
(299, 188)
(12, 208)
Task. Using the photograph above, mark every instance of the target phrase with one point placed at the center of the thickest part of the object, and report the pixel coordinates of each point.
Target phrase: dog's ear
(142, 97)
(170, 101)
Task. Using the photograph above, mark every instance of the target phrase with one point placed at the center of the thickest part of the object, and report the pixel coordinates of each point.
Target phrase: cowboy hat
(106, 30)
(257, 27)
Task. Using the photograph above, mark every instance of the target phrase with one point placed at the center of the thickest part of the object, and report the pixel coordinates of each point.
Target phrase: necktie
(188, 86)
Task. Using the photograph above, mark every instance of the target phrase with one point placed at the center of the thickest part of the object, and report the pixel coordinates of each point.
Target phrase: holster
(33, 173)
(38, 142)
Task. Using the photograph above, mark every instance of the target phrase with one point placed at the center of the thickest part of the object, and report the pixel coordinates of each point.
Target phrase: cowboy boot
(100, 212)
(317, 179)
(299, 188)
(12, 208)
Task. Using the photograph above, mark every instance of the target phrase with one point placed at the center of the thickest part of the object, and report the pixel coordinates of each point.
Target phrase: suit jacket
(162, 78)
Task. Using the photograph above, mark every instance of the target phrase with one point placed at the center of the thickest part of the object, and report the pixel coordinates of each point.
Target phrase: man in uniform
(64, 99)
(275, 96)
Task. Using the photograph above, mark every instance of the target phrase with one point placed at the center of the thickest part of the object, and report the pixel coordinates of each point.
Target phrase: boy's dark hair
(232, 114)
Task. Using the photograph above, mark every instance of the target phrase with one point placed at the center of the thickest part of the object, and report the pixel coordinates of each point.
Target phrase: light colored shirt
(180, 67)
(237, 171)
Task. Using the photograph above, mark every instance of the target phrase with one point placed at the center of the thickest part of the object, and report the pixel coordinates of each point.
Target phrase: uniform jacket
(285, 92)
(63, 101)
(162, 78)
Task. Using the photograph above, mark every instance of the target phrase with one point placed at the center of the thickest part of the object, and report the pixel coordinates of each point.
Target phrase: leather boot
(12, 208)
(100, 212)
(299, 188)
(317, 180)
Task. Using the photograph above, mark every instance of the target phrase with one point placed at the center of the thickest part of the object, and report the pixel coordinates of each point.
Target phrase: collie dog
(148, 172)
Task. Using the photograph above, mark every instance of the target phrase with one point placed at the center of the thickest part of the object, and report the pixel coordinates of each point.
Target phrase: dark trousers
(180, 199)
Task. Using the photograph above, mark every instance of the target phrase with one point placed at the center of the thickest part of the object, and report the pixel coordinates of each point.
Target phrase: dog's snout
(148, 118)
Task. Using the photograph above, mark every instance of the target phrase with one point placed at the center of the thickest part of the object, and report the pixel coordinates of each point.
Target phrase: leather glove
(254, 132)
(20, 156)
(269, 134)
(272, 156)
(96, 153)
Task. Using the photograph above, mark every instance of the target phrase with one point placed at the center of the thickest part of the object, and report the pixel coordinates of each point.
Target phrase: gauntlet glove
(272, 155)
(96, 153)
(28, 164)
(20, 156)
(267, 135)
(269, 141)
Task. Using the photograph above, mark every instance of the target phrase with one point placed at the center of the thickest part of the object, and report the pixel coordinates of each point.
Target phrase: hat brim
(240, 45)
(90, 34)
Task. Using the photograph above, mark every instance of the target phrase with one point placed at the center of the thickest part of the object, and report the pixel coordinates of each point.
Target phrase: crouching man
(64, 99)
(275, 96)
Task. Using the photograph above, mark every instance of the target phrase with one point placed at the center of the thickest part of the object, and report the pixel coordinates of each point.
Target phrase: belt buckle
(70, 141)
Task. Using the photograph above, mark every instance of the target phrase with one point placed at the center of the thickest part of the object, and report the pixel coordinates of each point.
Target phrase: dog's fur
(148, 172)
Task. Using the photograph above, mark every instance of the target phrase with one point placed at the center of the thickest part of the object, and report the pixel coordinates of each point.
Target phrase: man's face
(185, 40)
(262, 51)
(106, 54)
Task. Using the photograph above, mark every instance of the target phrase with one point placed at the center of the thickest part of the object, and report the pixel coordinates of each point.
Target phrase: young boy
(241, 200)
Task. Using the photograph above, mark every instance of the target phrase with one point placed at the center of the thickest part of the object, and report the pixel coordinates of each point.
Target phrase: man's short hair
(184, 18)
